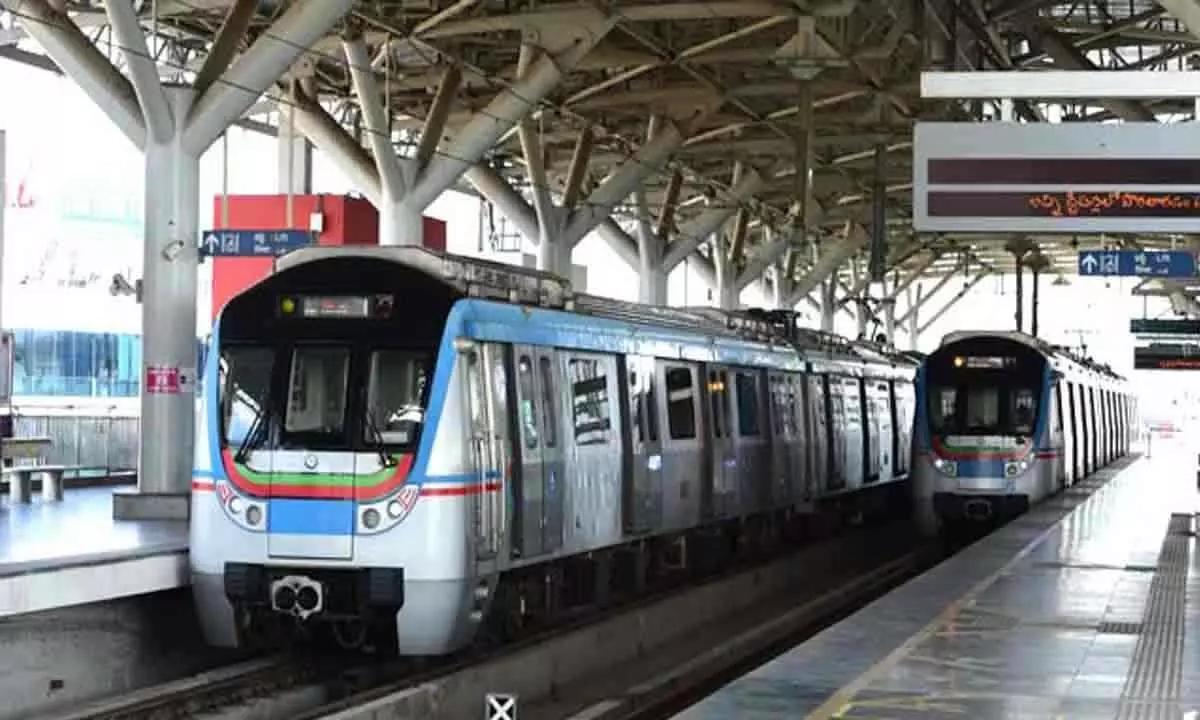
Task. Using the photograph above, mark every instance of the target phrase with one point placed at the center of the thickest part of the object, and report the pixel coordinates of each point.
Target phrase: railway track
(309, 686)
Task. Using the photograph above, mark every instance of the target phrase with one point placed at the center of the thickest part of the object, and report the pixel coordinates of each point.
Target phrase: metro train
(401, 443)
(1003, 420)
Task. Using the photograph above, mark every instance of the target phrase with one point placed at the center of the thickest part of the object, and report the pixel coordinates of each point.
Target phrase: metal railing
(98, 444)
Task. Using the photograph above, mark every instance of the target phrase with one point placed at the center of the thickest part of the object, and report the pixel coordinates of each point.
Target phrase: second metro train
(435, 442)
(1005, 419)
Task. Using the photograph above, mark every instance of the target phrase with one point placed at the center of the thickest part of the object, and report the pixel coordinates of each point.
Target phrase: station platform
(59, 554)
(1091, 615)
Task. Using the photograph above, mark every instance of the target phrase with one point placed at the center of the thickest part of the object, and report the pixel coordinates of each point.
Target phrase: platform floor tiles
(58, 554)
(1096, 616)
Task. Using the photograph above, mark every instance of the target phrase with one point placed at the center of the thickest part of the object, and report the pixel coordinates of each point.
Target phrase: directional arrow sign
(1138, 263)
(252, 243)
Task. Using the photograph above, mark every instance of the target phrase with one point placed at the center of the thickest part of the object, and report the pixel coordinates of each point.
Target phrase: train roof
(486, 279)
(1059, 355)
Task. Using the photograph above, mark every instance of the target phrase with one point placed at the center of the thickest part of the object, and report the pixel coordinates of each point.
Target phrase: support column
(914, 303)
(1036, 262)
(828, 303)
(169, 280)
(1020, 246)
(295, 156)
(889, 319)
(652, 279)
(782, 287)
(725, 291)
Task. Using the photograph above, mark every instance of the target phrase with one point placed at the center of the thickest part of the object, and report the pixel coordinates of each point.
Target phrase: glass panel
(245, 380)
(396, 396)
(589, 389)
(681, 403)
(317, 390)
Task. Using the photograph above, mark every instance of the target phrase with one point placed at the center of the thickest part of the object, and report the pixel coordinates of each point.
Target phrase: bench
(20, 482)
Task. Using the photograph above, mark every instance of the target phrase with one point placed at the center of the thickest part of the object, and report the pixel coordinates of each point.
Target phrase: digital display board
(1169, 326)
(1167, 357)
(338, 306)
(1056, 178)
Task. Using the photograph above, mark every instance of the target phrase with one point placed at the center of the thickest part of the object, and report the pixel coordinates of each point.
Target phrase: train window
(395, 397)
(1022, 411)
(718, 399)
(681, 403)
(947, 408)
(747, 405)
(549, 402)
(317, 390)
(526, 414)
(590, 402)
(643, 400)
(245, 374)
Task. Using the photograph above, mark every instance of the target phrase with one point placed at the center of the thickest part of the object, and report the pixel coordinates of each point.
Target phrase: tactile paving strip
(1152, 688)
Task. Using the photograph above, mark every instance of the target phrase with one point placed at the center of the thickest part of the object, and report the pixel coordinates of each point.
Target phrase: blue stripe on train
(286, 516)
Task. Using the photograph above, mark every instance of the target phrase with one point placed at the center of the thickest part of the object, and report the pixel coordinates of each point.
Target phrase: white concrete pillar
(828, 303)
(914, 302)
(295, 156)
(399, 223)
(889, 319)
(553, 255)
(781, 289)
(169, 280)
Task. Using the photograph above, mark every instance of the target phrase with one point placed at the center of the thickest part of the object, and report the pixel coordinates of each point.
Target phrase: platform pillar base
(130, 504)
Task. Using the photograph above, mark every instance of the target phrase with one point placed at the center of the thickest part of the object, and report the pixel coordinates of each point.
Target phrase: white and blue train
(1004, 420)
(417, 444)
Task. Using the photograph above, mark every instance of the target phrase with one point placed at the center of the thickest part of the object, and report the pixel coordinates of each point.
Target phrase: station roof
(734, 76)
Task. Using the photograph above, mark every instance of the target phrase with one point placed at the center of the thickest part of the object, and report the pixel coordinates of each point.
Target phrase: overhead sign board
(1167, 357)
(252, 243)
(1138, 263)
(1168, 326)
(1056, 178)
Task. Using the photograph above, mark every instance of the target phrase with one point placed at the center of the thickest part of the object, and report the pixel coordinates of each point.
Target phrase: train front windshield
(984, 388)
(308, 363)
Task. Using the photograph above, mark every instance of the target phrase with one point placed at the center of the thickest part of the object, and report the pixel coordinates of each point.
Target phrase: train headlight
(1014, 468)
(946, 467)
(235, 505)
(395, 509)
(253, 515)
(371, 518)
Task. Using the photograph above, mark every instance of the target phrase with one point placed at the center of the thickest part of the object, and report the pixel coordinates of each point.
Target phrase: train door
(752, 447)
(882, 452)
(315, 418)
(723, 459)
(1071, 443)
(783, 429)
(540, 504)
(486, 376)
(1086, 426)
(1058, 439)
(796, 405)
(642, 501)
(686, 475)
(853, 431)
(820, 439)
